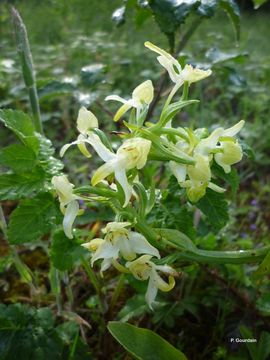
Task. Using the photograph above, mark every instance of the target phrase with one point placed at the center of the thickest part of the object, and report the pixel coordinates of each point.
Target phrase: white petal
(173, 68)
(141, 246)
(121, 177)
(206, 145)
(234, 129)
(125, 248)
(86, 120)
(216, 187)
(103, 171)
(151, 292)
(103, 152)
(179, 171)
(106, 263)
(69, 218)
(144, 92)
(105, 251)
(116, 98)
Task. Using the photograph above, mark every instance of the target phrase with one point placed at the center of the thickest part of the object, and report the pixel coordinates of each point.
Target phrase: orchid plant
(129, 243)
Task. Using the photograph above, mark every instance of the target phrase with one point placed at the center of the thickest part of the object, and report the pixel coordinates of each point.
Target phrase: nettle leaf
(20, 186)
(232, 178)
(142, 343)
(170, 14)
(22, 126)
(18, 157)
(215, 207)
(65, 252)
(32, 219)
(29, 333)
(49, 163)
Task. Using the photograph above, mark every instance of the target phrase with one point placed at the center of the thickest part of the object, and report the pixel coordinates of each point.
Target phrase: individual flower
(142, 95)
(68, 202)
(221, 145)
(144, 269)
(177, 74)
(119, 240)
(86, 122)
(131, 154)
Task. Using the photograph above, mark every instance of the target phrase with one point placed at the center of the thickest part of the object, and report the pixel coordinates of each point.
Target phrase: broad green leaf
(32, 219)
(54, 88)
(263, 269)
(217, 56)
(143, 344)
(232, 10)
(252, 347)
(264, 346)
(20, 186)
(18, 157)
(22, 126)
(65, 252)
(207, 8)
(215, 207)
(258, 3)
(176, 237)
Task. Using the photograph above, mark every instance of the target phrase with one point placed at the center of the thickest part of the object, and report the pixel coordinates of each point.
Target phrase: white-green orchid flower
(68, 202)
(178, 75)
(119, 240)
(231, 151)
(131, 154)
(142, 95)
(143, 269)
(86, 122)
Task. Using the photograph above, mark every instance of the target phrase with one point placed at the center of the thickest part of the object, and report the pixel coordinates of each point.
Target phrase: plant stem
(95, 283)
(117, 292)
(28, 72)
(163, 80)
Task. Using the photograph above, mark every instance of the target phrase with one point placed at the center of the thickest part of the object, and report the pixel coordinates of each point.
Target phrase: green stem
(185, 91)
(96, 191)
(117, 292)
(28, 72)
(204, 256)
(95, 283)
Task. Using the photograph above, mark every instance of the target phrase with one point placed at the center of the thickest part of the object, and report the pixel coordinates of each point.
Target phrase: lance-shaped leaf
(143, 343)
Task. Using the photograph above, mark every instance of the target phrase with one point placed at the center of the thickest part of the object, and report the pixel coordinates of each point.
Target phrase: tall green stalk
(28, 72)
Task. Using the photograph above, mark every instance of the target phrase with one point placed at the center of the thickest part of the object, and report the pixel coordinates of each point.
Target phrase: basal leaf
(18, 157)
(65, 252)
(143, 344)
(215, 207)
(32, 219)
(22, 126)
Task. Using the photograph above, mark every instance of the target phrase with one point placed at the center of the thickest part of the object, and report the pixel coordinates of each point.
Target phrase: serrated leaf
(32, 219)
(232, 10)
(207, 8)
(18, 157)
(49, 163)
(22, 126)
(170, 14)
(232, 178)
(20, 186)
(65, 252)
(143, 343)
(215, 207)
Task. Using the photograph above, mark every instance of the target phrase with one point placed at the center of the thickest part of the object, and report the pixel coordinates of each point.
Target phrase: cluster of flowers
(189, 154)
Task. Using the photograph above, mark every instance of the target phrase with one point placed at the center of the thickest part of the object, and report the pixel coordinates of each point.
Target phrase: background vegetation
(81, 56)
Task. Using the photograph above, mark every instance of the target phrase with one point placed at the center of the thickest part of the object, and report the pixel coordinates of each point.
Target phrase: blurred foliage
(79, 57)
